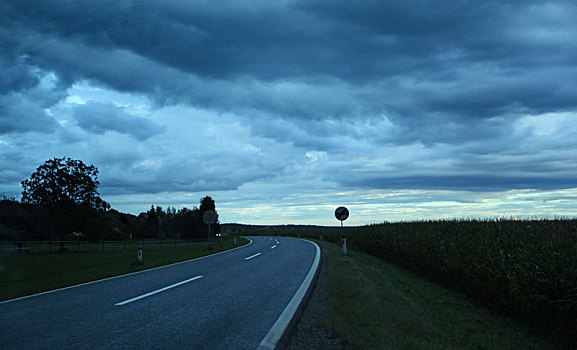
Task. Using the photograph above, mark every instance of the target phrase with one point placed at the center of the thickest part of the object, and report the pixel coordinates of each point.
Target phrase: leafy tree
(68, 189)
(169, 222)
(151, 223)
(63, 182)
(207, 203)
(16, 221)
(161, 215)
(120, 224)
(187, 223)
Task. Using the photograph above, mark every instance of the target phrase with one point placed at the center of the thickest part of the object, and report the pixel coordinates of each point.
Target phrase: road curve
(225, 301)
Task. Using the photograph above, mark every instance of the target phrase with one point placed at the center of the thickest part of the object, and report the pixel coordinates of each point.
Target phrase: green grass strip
(34, 272)
(375, 305)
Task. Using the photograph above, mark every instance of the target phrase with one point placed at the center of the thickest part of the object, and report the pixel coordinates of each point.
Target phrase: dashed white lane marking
(274, 246)
(157, 291)
(252, 256)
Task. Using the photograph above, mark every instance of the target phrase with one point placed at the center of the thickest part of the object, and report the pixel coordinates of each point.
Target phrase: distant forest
(24, 221)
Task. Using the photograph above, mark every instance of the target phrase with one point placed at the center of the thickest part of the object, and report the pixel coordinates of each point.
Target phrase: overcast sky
(284, 110)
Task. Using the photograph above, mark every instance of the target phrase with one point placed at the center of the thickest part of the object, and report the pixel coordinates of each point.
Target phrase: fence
(22, 247)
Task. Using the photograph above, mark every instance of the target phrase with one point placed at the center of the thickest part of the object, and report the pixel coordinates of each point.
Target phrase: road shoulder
(308, 334)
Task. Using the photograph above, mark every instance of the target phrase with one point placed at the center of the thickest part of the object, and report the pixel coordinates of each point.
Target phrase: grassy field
(375, 305)
(38, 270)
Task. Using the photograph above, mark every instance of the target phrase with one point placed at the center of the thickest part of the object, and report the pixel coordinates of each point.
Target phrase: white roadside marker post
(342, 213)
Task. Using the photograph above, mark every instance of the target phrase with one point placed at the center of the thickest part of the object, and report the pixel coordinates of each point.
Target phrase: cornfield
(526, 268)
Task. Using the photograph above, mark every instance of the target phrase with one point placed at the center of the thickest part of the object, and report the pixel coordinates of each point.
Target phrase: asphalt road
(226, 301)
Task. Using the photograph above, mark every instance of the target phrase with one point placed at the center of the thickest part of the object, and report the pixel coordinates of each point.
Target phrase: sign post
(209, 218)
(342, 213)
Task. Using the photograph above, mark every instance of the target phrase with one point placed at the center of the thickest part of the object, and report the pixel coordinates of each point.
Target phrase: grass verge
(25, 274)
(375, 305)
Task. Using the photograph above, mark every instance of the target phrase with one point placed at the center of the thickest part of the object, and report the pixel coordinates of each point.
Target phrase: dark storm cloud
(461, 182)
(23, 98)
(215, 40)
(16, 76)
(465, 59)
(19, 115)
(99, 118)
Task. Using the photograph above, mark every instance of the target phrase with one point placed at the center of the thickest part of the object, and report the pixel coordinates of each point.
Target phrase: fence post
(125, 246)
(102, 242)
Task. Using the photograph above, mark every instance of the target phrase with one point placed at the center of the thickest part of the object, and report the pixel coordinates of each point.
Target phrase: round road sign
(209, 217)
(342, 213)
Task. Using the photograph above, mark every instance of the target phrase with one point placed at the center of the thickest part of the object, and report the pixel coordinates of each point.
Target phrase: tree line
(176, 224)
(60, 201)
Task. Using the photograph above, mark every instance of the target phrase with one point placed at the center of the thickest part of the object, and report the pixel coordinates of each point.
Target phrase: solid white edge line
(156, 291)
(125, 275)
(280, 327)
(252, 256)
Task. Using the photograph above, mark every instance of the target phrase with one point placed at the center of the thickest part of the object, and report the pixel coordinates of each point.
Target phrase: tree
(187, 224)
(68, 189)
(207, 203)
(16, 221)
(151, 223)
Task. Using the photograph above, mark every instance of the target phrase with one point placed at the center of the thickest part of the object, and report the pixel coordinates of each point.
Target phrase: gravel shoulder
(308, 333)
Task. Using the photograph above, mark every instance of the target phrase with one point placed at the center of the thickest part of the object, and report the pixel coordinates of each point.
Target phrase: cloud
(16, 77)
(198, 150)
(25, 97)
(176, 98)
(408, 60)
(18, 115)
(99, 118)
